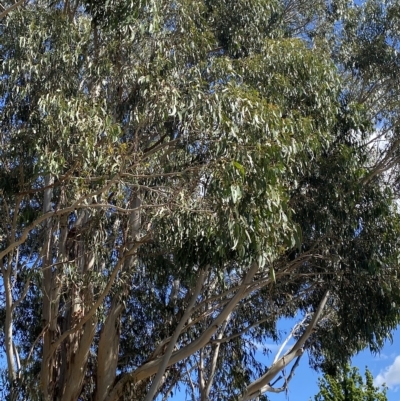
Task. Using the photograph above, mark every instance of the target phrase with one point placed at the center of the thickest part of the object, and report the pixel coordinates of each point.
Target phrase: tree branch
(214, 360)
(255, 388)
(151, 367)
(9, 9)
(287, 380)
(99, 301)
(49, 213)
(164, 363)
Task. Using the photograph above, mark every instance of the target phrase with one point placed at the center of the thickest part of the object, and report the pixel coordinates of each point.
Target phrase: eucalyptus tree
(348, 385)
(178, 176)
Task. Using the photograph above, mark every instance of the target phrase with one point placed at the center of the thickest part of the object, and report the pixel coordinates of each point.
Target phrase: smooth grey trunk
(108, 349)
(107, 357)
(205, 393)
(152, 367)
(76, 371)
(8, 334)
(170, 348)
(46, 376)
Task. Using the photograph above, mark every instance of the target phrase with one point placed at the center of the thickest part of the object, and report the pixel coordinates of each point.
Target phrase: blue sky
(385, 367)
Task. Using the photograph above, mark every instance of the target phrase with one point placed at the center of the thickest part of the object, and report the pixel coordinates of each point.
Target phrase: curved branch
(287, 380)
(165, 359)
(151, 367)
(297, 350)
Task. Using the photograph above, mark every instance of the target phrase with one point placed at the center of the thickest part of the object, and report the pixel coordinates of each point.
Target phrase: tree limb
(255, 388)
(151, 367)
(164, 363)
(99, 301)
(214, 359)
(9, 9)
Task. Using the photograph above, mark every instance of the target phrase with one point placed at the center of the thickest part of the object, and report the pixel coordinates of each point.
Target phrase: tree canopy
(177, 176)
(348, 385)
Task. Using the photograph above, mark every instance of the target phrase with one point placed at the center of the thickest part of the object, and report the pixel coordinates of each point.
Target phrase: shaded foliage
(150, 148)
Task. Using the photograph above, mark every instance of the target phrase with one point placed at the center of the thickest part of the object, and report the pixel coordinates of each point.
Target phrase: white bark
(283, 345)
(8, 334)
(108, 349)
(107, 357)
(76, 371)
(206, 392)
(165, 359)
(262, 384)
(152, 367)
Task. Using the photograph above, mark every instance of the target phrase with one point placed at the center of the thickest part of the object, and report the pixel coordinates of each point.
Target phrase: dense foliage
(176, 176)
(349, 385)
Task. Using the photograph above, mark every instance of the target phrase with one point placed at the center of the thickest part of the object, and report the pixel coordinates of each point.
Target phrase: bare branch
(385, 164)
(202, 382)
(8, 332)
(214, 361)
(295, 328)
(79, 204)
(9, 9)
(23, 295)
(220, 340)
(151, 367)
(297, 350)
(17, 360)
(161, 369)
(287, 380)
